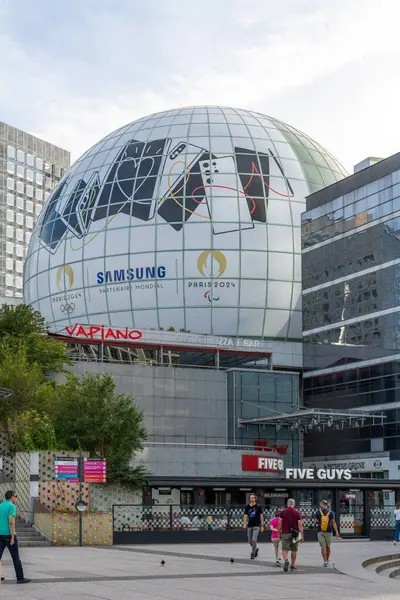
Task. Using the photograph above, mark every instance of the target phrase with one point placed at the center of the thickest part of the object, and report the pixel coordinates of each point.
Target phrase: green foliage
(83, 414)
(20, 320)
(32, 431)
(91, 416)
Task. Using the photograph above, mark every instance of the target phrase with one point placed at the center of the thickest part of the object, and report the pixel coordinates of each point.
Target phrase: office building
(29, 169)
(351, 319)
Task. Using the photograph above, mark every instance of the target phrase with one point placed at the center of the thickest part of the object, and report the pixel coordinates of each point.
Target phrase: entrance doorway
(351, 513)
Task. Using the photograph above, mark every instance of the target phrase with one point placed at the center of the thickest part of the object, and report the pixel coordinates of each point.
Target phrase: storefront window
(305, 504)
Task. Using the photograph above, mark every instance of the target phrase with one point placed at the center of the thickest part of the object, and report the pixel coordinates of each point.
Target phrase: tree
(27, 357)
(32, 431)
(30, 390)
(91, 416)
(20, 320)
(21, 326)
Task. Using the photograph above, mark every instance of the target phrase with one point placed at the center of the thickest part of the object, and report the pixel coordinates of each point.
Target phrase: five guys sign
(252, 462)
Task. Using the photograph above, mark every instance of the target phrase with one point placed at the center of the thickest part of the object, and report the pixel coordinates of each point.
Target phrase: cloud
(98, 68)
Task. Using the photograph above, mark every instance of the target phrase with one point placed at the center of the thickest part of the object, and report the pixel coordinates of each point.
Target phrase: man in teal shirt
(8, 539)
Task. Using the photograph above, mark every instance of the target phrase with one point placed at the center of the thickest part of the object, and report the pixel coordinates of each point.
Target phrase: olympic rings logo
(67, 308)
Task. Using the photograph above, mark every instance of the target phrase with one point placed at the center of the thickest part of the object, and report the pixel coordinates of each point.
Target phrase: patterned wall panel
(97, 529)
(44, 522)
(102, 497)
(22, 483)
(61, 495)
(8, 462)
(65, 529)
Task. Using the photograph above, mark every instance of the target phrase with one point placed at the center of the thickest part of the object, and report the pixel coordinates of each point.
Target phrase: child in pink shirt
(275, 539)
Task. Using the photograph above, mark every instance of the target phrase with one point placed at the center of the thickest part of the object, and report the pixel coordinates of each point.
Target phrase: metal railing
(169, 517)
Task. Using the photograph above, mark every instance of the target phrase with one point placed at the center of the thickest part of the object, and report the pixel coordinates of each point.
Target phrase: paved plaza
(198, 571)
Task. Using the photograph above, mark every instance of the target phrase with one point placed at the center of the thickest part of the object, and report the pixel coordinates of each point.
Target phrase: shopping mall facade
(169, 256)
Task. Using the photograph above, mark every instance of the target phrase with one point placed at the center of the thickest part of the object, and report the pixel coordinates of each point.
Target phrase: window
(10, 199)
(28, 236)
(20, 187)
(38, 208)
(29, 174)
(20, 202)
(19, 218)
(9, 248)
(29, 206)
(19, 251)
(10, 183)
(10, 152)
(20, 171)
(20, 156)
(39, 164)
(9, 264)
(18, 283)
(46, 196)
(9, 231)
(29, 160)
(10, 216)
(29, 191)
(39, 179)
(38, 194)
(29, 222)
(19, 235)
(19, 266)
(10, 167)
(9, 280)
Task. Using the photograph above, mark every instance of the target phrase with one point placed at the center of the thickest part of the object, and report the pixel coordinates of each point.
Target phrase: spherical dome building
(188, 218)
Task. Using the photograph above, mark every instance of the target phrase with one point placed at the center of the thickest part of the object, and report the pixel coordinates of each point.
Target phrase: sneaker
(278, 563)
(292, 568)
(252, 556)
(326, 564)
(24, 580)
(256, 554)
(2, 579)
(286, 566)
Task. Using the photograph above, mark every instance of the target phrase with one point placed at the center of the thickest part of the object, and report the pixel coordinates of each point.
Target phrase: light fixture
(278, 426)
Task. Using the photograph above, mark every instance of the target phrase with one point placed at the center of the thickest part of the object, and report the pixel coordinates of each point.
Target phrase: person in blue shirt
(8, 539)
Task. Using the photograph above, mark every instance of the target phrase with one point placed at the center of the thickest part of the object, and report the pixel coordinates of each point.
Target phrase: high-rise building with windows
(351, 317)
(29, 169)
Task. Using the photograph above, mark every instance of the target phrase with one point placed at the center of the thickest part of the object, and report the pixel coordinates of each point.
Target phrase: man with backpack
(291, 531)
(325, 523)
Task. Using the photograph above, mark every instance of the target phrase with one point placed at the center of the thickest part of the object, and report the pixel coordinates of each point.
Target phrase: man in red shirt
(291, 531)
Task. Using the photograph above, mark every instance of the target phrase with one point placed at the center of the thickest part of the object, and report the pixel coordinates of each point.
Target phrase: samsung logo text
(131, 274)
(322, 474)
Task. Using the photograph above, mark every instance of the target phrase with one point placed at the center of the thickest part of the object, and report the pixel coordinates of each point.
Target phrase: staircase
(28, 536)
(388, 566)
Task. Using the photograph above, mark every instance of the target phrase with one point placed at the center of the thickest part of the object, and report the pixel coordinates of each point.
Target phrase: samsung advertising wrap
(187, 219)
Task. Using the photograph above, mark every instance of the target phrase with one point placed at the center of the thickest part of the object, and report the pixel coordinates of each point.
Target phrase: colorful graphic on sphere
(188, 218)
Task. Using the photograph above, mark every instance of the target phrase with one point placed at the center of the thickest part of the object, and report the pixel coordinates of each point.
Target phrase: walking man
(291, 530)
(325, 523)
(254, 522)
(8, 539)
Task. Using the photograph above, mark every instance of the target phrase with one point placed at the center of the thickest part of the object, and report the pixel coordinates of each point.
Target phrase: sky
(73, 71)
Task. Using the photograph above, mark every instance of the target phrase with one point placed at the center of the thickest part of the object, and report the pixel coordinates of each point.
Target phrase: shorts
(288, 543)
(325, 539)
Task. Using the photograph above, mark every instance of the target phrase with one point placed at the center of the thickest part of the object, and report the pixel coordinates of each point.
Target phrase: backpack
(325, 520)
